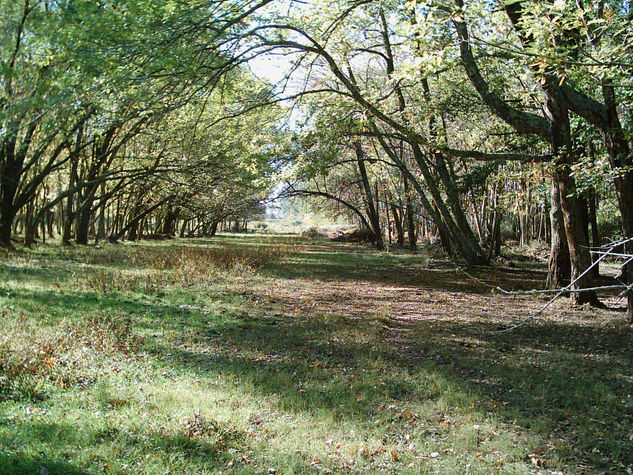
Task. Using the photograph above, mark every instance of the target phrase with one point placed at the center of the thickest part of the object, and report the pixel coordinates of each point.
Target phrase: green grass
(298, 356)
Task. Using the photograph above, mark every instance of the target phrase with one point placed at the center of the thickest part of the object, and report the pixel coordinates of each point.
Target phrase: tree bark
(413, 239)
(579, 255)
(372, 212)
(559, 263)
(83, 224)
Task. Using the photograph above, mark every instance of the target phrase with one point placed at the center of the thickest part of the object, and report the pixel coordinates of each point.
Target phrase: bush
(103, 280)
(312, 232)
(201, 260)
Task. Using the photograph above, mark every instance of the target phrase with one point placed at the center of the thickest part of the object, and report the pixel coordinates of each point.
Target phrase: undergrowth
(185, 266)
(63, 354)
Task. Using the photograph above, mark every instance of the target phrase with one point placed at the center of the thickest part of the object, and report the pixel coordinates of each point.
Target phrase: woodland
(463, 303)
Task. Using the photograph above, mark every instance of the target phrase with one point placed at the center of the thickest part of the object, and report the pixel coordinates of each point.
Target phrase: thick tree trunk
(621, 160)
(559, 263)
(570, 204)
(30, 230)
(83, 225)
(133, 230)
(9, 179)
(7, 215)
(169, 224)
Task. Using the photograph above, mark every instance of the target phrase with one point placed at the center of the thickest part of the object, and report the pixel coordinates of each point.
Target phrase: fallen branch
(604, 252)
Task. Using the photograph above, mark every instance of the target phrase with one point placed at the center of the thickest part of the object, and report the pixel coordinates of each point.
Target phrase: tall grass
(63, 354)
(184, 266)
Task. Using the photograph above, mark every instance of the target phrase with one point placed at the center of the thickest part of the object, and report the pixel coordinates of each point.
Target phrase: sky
(270, 67)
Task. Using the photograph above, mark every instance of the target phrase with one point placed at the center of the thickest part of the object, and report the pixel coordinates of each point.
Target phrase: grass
(265, 354)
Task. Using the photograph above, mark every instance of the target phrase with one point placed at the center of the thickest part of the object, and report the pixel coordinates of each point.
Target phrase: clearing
(277, 354)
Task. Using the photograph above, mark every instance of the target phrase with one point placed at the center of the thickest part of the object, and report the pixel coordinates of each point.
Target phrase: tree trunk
(101, 224)
(409, 211)
(397, 219)
(570, 204)
(559, 263)
(133, 230)
(622, 161)
(7, 209)
(83, 225)
(169, 224)
(468, 245)
(374, 219)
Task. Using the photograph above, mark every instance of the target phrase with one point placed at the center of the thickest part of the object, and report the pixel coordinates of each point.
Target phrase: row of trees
(431, 87)
(127, 117)
(119, 120)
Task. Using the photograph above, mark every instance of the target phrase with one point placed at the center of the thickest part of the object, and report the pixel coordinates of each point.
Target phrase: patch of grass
(250, 353)
(154, 269)
(34, 358)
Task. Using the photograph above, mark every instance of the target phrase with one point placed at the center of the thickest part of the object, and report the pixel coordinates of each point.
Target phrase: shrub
(312, 232)
(201, 259)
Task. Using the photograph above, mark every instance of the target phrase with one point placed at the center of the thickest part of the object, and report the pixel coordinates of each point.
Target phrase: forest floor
(276, 354)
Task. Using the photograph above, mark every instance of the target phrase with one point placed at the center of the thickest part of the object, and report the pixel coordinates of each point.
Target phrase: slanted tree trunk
(372, 212)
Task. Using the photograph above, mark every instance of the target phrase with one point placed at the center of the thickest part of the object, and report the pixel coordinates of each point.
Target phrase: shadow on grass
(565, 381)
(562, 382)
(407, 270)
(62, 440)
